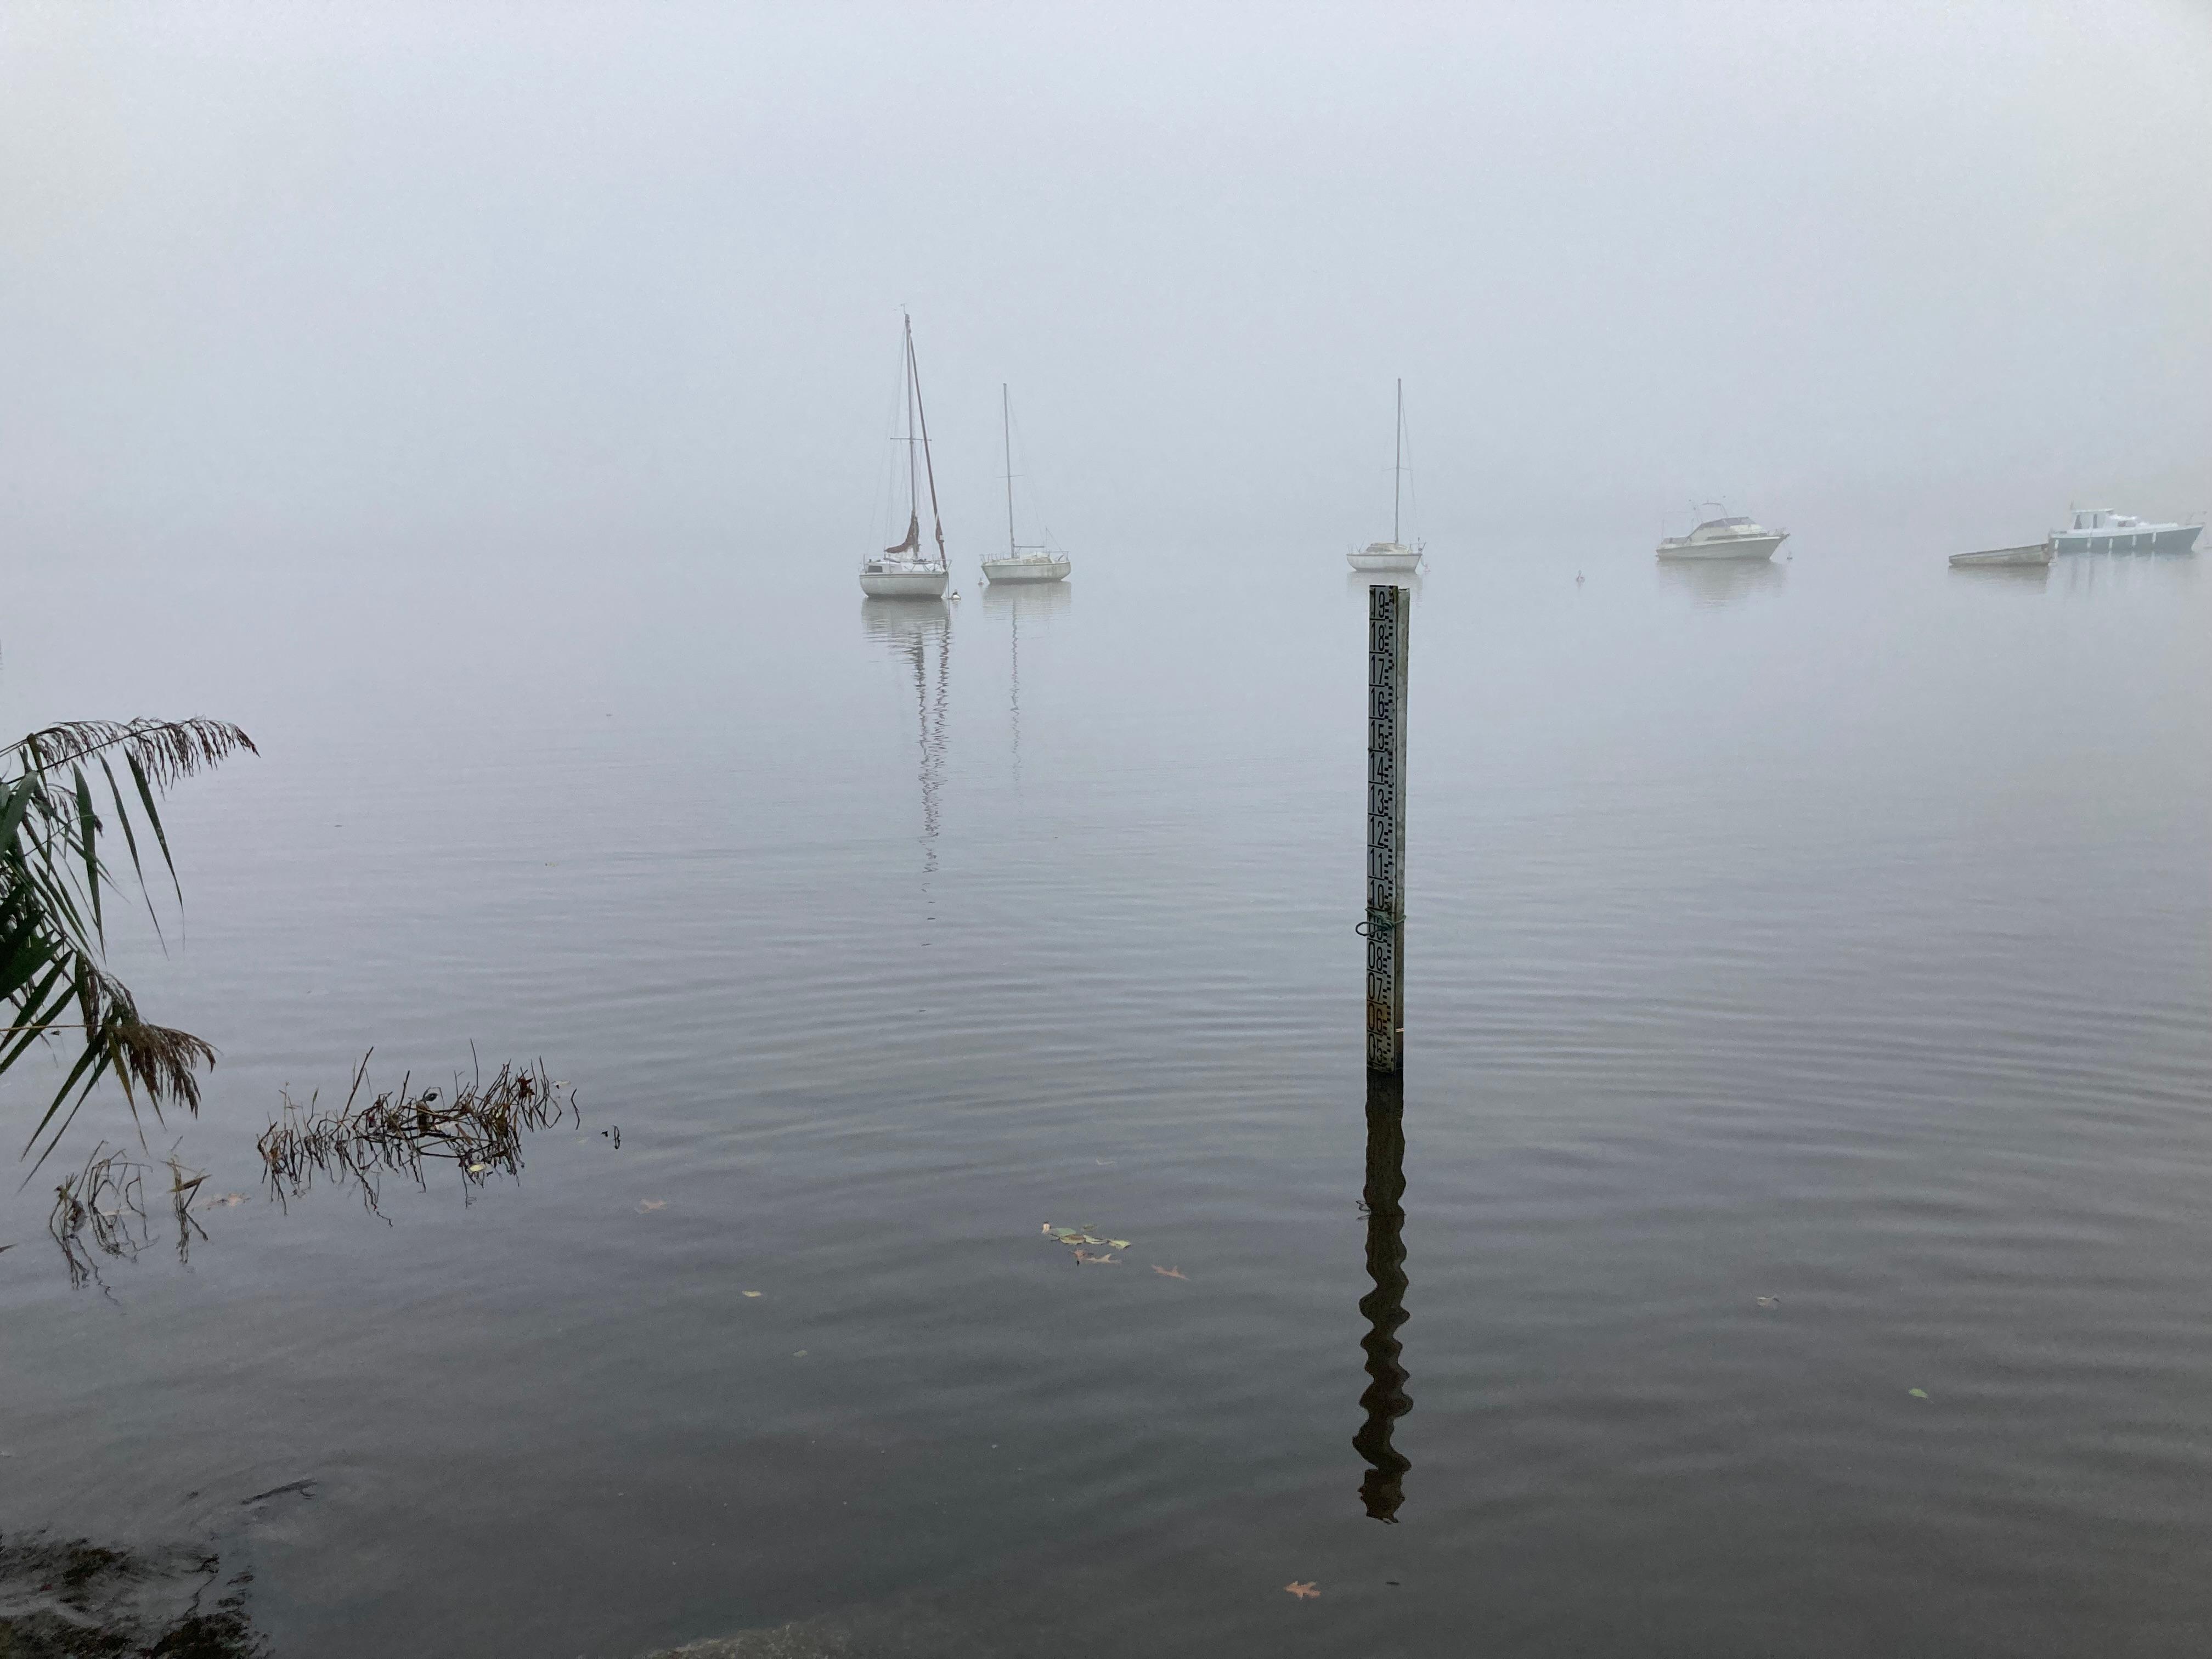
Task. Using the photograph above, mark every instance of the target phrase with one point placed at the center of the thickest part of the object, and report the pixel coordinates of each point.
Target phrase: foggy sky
(378, 281)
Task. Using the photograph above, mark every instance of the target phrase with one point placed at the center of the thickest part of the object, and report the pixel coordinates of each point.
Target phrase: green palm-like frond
(52, 915)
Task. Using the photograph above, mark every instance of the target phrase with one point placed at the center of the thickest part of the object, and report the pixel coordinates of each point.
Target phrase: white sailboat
(1393, 554)
(1022, 564)
(905, 571)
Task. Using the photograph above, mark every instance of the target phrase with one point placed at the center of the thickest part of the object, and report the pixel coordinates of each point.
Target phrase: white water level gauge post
(1389, 615)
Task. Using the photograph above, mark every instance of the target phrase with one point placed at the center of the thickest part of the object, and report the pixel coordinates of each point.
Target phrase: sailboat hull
(1053, 569)
(1396, 558)
(924, 582)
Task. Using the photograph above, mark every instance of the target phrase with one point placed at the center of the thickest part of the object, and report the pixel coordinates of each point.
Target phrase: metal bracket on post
(1390, 616)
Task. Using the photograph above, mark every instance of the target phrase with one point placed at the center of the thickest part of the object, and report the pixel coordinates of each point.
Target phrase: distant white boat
(1724, 539)
(1031, 567)
(1022, 564)
(1385, 556)
(905, 571)
(2100, 530)
(1393, 554)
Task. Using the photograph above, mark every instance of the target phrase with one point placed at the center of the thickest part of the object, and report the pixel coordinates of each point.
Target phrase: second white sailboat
(1393, 554)
(1022, 564)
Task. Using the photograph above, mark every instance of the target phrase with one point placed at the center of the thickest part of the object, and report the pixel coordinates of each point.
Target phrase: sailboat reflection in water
(1383, 1489)
(919, 631)
(1039, 602)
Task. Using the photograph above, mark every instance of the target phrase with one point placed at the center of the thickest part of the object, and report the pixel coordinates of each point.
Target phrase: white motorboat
(1725, 538)
(2100, 530)
(1038, 563)
(1393, 554)
(905, 571)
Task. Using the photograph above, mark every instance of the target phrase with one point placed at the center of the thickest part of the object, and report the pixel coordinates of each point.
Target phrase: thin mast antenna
(1006, 424)
(1397, 462)
(937, 521)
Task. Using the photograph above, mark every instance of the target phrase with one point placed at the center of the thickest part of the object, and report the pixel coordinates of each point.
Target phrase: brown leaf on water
(1085, 1259)
(1304, 1592)
(1170, 1273)
(654, 1204)
(230, 1201)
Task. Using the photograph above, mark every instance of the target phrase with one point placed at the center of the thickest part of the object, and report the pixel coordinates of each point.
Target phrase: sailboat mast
(913, 484)
(1398, 461)
(1006, 427)
(928, 466)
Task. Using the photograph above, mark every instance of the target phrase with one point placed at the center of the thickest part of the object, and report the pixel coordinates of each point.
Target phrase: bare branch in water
(182, 1192)
(97, 1212)
(100, 1211)
(477, 1127)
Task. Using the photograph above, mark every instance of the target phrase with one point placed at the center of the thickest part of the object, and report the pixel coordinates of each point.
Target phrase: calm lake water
(1837, 933)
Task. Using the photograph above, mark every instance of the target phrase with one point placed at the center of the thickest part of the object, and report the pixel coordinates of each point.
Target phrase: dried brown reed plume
(164, 751)
(477, 1127)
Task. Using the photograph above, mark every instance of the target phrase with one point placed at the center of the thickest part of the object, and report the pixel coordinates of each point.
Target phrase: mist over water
(1809, 987)
(571, 283)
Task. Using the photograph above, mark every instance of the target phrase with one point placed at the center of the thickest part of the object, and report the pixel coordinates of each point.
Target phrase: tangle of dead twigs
(477, 1126)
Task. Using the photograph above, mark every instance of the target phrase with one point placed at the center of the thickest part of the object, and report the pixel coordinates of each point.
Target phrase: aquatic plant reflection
(1383, 1489)
(99, 1211)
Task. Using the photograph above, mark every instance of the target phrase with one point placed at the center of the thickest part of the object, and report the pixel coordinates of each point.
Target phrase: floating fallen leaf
(1085, 1259)
(231, 1200)
(654, 1204)
(1304, 1592)
(1917, 1394)
(1119, 1243)
(801, 1354)
(750, 1292)
(479, 1169)
(1770, 1301)
(1170, 1273)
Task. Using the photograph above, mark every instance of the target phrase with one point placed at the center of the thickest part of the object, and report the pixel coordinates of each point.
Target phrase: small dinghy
(1996, 557)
